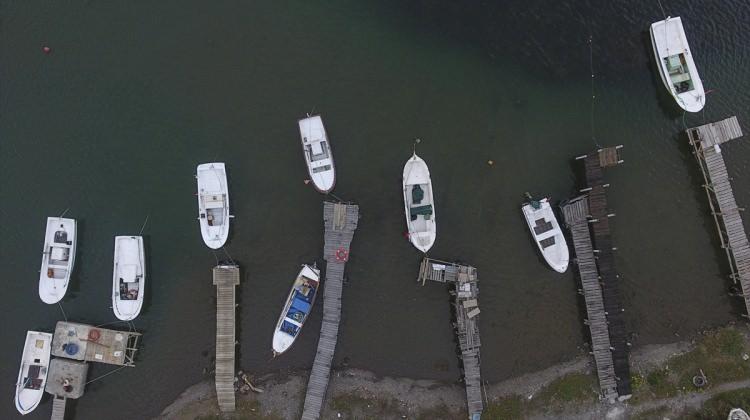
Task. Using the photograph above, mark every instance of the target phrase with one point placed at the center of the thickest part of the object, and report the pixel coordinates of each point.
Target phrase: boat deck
(706, 141)
(226, 278)
(466, 292)
(340, 221)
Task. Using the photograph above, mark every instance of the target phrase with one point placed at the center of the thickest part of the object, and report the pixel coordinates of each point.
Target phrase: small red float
(94, 335)
(342, 255)
(46, 49)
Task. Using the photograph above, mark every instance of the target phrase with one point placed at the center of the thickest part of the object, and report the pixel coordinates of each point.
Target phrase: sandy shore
(354, 392)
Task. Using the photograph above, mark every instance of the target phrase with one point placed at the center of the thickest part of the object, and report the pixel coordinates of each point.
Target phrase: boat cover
(417, 194)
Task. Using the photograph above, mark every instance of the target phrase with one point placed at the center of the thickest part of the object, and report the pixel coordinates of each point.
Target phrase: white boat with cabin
(296, 309)
(738, 414)
(318, 154)
(58, 258)
(32, 376)
(547, 233)
(676, 64)
(213, 203)
(419, 204)
(128, 277)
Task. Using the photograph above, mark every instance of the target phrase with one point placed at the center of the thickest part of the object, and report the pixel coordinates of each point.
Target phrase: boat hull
(422, 228)
(282, 341)
(32, 375)
(556, 254)
(668, 37)
(320, 166)
(58, 258)
(128, 277)
(213, 204)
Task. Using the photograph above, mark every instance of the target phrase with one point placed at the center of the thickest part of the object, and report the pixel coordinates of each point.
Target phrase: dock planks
(226, 278)
(340, 222)
(587, 218)
(466, 293)
(706, 140)
(575, 214)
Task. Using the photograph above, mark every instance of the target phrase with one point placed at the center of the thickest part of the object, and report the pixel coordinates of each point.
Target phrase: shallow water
(113, 122)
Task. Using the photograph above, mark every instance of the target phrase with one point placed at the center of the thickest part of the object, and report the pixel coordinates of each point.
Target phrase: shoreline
(353, 392)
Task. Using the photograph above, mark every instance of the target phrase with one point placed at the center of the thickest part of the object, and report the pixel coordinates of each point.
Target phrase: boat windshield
(679, 74)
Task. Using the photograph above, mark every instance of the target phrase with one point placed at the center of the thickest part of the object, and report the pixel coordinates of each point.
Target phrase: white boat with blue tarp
(297, 309)
(546, 233)
(419, 205)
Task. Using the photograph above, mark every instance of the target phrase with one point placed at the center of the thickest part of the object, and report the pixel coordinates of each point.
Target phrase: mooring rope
(63, 311)
(228, 256)
(662, 9)
(144, 225)
(593, 92)
(63, 213)
(106, 374)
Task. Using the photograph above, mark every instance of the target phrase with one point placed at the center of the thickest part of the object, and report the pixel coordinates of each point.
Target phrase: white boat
(546, 233)
(738, 414)
(128, 277)
(32, 376)
(213, 203)
(296, 309)
(318, 154)
(58, 257)
(676, 65)
(419, 205)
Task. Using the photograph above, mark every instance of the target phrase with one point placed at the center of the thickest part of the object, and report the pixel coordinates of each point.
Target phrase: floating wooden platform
(466, 292)
(575, 214)
(93, 344)
(66, 379)
(226, 278)
(605, 311)
(706, 141)
(340, 221)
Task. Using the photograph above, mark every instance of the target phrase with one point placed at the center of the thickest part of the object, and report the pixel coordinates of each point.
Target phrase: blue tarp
(289, 328)
(299, 303)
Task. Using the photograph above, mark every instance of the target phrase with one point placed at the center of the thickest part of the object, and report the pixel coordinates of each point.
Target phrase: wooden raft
(706, 140)
(226, 278)
(340, 221)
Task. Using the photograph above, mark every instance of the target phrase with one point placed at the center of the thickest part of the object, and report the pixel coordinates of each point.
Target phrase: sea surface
(112, 123)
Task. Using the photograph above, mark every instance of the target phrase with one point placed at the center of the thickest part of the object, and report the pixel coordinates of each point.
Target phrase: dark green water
(133, 96)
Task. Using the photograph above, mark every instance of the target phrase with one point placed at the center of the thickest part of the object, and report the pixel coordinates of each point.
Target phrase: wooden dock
(466, 292)
(599, 279)
(226, 278)
(88, 343)
(575, 213)
(706, 141)
(340, 222)
(66, 379)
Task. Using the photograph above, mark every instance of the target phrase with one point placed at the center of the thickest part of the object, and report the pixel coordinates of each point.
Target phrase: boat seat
(542, 226)
(417, 194)
(546, 243)
(425, 210)
(289, 328)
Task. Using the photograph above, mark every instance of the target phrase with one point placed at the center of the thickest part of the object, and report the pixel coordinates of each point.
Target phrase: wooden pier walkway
(58, 408)
(226, 278)
(599, 279)
(706, 141)
(575, 213)
(466, 292)
(340, 221)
